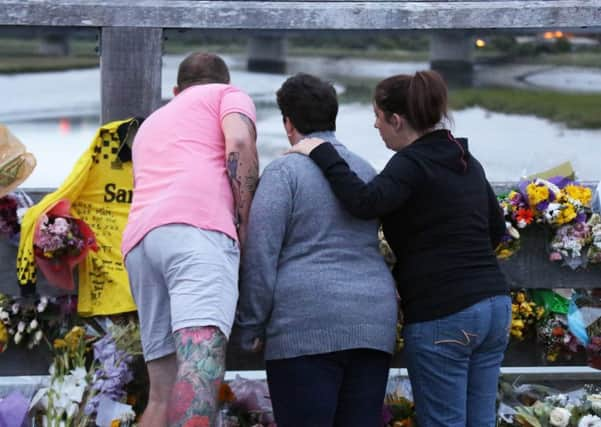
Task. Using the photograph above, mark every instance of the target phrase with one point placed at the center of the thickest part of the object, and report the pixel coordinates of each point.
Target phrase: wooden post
(130, 72)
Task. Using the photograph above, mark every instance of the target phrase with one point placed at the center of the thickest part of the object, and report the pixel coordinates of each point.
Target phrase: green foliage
(574, 109)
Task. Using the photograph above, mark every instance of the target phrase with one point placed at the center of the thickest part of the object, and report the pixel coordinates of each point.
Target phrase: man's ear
(176, 90)
(288, 126)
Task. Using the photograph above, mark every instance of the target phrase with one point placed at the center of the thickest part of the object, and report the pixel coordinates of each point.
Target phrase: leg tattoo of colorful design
(200, 370)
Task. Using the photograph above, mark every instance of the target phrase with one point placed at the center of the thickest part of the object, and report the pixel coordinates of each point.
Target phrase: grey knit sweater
(312, 279)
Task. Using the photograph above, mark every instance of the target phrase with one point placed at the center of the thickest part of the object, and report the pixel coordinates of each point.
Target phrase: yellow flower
(579, 193)
(540, 312)
(520, 297)
(516, 333)
(73, 338)
(59, 343)
(504, 254)
(514, 308)
(536, 194)
(567, 214)
(525, 308)
(552, 357)
(3, 334)
(115, 423)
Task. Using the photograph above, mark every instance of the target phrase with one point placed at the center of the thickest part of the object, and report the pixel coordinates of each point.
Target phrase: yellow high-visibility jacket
(100, 190)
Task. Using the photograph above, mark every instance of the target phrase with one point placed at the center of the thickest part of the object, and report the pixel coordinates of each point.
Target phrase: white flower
(18, 337)
(33, 325)
(37, 337)
(559, 417)
(60, 226)
(595, 400)
(589, 421)
(21, 214)
(44, 222)
(21, 326)
(15, 308)
(4, 316)
(42, 305)
(79, 374)
(72, 409)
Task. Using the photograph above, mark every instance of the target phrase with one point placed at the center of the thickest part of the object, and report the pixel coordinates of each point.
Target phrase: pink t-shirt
(179, 164)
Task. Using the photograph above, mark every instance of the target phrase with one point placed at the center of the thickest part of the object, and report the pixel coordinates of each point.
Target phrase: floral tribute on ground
(565, 208)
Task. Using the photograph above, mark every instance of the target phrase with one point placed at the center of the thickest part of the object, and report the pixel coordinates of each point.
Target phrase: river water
(56, 115)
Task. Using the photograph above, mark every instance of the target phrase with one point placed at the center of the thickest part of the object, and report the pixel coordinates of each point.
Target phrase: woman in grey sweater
(314, 288)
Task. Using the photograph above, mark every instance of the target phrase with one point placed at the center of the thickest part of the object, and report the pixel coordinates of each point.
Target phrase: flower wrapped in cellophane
(565, 206)
(569, 244)
(61, 242)
(517, 216)
(584, 321)
(558, 200)
(594, 251)
(12, 209)
(525, 314)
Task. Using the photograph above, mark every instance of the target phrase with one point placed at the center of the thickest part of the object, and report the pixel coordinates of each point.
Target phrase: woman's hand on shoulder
(305, 146)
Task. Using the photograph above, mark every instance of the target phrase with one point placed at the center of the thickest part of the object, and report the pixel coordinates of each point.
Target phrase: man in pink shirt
(195, 172)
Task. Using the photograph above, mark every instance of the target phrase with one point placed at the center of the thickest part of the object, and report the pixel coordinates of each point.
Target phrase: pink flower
(555, 256)
(60, 226)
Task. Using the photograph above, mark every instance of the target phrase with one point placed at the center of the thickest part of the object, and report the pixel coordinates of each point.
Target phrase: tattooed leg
(200, 370)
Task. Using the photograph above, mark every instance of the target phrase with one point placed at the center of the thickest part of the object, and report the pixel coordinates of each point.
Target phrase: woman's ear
(397, 122)
(176, 90)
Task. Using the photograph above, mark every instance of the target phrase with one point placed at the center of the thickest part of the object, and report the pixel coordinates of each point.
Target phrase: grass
(575, 110)
(22, 56)
(576, 59)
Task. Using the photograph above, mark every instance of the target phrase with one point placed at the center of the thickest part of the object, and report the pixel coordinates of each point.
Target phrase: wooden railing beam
(304, 15)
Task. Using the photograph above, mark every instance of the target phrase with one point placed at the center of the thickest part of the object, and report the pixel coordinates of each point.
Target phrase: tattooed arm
(242, 165)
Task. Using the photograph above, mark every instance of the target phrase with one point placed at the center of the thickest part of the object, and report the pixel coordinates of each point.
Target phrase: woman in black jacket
(442, 221)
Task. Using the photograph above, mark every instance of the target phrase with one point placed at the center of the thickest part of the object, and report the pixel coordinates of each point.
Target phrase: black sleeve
(382, 195)
(496, 220)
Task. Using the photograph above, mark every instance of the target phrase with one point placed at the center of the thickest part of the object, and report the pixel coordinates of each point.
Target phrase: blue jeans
(340, 389)
(454, 364)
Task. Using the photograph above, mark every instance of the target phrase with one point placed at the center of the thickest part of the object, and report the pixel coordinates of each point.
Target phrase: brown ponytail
(420, 98)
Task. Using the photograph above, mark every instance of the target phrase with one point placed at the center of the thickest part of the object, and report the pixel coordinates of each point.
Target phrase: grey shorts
(180, 277)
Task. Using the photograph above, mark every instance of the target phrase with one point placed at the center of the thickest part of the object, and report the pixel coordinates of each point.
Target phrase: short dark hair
(202, 68)
(310, 103)
(421, 98)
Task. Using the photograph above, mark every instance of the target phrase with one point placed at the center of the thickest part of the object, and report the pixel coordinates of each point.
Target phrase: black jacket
(440, 217)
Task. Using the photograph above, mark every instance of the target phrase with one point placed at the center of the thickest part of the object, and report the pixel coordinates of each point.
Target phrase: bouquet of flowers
(579, 408)
(398, 411)
(525, 313)
(594, 251)
(22, 321)
(113, 356)
(12, 209)
(60, 243)
(584, 321)
(568, 244)
(246, 403)
(517, 216)
(557, 201)
(557, 339)
(9, 224)
(59, 403)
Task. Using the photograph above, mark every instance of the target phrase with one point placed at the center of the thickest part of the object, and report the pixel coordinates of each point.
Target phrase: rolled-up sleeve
(269, 216)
